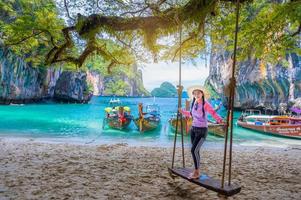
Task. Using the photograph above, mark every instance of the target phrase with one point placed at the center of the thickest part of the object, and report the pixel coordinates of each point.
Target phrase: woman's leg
(194, 143)
(201, 140)
(198, 137)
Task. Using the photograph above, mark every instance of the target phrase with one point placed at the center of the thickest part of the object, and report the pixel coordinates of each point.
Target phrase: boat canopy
(261, 116)
(252, 112)
(268, 117)
(153, 107)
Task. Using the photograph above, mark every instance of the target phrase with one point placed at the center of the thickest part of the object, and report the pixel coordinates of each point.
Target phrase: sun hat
(193, 88)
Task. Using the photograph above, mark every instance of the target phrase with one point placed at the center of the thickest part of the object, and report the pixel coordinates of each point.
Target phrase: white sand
(31, 170)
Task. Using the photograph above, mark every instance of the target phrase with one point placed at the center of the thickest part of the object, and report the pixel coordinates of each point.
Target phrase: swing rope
(230, 106)
(179, 115)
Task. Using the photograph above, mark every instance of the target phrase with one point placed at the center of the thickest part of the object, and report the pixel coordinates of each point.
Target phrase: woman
(199, 110)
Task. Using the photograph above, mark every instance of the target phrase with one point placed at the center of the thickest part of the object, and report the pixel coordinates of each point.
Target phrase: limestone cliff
(132, 86)
(72, 87)
(257, 85)
(21, 83)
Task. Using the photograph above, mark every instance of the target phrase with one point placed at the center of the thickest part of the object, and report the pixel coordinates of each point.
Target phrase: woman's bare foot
(195, 174)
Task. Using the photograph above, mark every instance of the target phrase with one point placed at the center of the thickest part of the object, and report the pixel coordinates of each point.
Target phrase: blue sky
(156, 73)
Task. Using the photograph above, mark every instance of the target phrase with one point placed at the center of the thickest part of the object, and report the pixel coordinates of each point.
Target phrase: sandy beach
(35, 170)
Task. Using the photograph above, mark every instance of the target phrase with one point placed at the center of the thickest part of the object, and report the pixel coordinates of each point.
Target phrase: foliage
(267, 31)
(166, 89)
(30, 28)
(122, 33)
(118, 88)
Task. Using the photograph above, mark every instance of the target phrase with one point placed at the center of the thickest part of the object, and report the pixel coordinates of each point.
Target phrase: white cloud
(156, 73)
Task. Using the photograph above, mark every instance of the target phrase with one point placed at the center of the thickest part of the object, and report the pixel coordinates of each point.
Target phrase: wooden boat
(117, 116)
(150, 120)
(272, 124)
(213, 128)
(216, 129)
(187, 122)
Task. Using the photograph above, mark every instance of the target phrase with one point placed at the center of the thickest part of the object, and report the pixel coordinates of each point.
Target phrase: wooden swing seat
(207, 182)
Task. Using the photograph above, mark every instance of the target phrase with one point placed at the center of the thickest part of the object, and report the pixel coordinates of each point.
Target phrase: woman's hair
(192, 104)
(203, 99)
(193, 101)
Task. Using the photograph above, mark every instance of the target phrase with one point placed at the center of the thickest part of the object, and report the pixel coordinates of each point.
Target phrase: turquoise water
(82, 123)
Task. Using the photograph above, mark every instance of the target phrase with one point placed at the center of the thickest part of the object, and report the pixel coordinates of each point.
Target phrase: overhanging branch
(88, 27)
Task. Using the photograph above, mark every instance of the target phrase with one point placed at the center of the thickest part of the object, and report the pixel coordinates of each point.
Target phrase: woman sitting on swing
(199, 129)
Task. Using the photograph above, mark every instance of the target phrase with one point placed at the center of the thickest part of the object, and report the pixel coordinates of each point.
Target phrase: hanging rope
(180, 90)
(180, 95)
(230, 106)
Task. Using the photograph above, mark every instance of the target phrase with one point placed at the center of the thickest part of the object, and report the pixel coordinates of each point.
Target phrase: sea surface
(83, 123)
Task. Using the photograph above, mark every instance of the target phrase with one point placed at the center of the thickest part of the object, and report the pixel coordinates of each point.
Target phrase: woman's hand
(184, 113)
(221, 122)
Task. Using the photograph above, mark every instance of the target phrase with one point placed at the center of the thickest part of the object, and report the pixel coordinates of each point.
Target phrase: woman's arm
(212, 112)
(185, 112)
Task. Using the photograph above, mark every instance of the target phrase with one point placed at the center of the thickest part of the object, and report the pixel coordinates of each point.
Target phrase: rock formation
(21, 83)
(258, 85)
(72, 87)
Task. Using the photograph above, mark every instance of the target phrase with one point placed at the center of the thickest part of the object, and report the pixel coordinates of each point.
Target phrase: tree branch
(24, 39)
(67, 10)
(193, 35)
(88, 27)
(298, 31)
(135, 12)
(57, 51)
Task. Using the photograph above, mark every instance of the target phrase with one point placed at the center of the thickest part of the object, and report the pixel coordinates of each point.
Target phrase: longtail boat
(149, 120)
(278, 125)
(216, 129)
(185, 121)
(117, 116)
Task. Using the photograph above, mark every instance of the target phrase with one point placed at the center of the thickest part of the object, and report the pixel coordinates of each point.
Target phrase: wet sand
(34, 170)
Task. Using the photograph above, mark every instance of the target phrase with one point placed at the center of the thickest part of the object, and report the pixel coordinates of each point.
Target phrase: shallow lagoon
(82, 123)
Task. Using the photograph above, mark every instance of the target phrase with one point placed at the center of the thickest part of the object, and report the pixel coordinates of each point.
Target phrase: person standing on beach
(199, 129)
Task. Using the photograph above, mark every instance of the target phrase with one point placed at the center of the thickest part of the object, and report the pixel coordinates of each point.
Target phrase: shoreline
(51, 100)
(133, 142)
(35, 170)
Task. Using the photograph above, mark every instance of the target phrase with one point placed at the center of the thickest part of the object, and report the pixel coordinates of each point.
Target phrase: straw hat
(197, 87)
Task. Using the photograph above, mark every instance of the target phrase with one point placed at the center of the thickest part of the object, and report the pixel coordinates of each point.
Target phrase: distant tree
(118, 88)
(166, 89)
